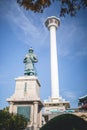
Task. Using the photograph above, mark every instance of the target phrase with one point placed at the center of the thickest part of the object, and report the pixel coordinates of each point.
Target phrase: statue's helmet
(31, 50)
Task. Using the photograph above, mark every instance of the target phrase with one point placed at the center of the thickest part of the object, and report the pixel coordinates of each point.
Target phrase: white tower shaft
(54, 63)
(52, 24)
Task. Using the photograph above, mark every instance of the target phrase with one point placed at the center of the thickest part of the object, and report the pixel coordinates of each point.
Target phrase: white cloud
(30, 29)
(69, 95)
(72, 41)
(24, 25)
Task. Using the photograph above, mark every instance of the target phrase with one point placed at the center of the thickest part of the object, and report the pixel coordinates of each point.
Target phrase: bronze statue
(29, 61)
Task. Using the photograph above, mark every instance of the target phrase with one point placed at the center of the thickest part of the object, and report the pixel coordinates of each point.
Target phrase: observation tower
(55, 103)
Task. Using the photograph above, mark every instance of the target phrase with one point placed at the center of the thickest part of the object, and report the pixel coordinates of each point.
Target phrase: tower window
(56, 21)
(51, 21)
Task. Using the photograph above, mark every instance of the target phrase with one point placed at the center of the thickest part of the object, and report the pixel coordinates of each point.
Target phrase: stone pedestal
(54, 107)
(26, 100)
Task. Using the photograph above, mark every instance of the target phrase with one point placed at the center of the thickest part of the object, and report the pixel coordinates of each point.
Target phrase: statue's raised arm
(29, 61)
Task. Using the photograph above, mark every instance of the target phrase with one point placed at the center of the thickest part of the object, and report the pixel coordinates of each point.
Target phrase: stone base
(26, 100)
(55, 105)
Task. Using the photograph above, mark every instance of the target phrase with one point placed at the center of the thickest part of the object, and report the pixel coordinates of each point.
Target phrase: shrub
(66, 122)
(11, 122)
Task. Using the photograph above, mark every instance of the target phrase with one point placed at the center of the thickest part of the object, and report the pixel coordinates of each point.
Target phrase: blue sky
(21, 29)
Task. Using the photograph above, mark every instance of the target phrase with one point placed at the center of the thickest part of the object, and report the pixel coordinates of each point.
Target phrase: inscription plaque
(24, 110)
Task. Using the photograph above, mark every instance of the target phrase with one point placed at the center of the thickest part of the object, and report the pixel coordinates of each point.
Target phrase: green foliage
(11, 122)
(66, 122)
(6, 109)
(69, 7)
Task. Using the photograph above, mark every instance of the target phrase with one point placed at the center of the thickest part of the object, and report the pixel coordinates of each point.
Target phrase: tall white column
(54, 63)
(52, 24)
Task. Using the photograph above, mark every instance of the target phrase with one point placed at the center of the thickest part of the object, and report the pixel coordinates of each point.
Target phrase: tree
(11, 122)
(67, 6)
(66, 122)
